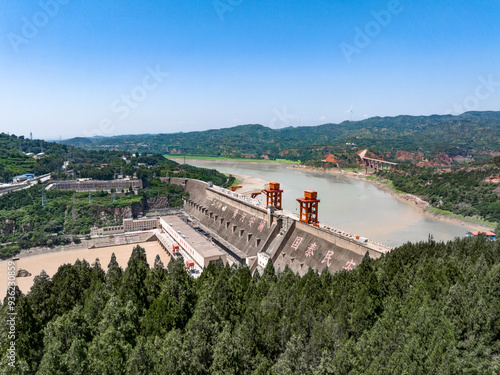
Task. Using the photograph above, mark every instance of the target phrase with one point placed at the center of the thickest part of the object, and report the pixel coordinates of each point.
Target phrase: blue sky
(75, 68)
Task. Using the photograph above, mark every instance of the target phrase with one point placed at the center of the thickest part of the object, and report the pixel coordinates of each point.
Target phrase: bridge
(376, 164)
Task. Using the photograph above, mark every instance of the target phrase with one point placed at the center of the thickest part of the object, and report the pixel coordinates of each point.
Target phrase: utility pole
(90, 197)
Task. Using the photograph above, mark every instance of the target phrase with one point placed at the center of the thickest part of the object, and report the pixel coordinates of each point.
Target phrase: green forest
(461, 190)
(67, 216)
(425, 308)
(99, 165)
(472, 134)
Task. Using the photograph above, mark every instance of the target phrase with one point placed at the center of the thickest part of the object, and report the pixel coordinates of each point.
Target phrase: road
(7, 188)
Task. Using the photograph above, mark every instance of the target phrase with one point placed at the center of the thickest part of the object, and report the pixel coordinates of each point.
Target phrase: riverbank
(180, 159)
(413, 200)
(250, 184)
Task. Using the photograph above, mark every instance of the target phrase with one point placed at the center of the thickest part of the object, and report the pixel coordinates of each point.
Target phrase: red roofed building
(489, 235)
(330, 159)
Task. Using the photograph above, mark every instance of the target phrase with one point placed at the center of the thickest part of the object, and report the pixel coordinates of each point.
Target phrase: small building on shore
(489, 235)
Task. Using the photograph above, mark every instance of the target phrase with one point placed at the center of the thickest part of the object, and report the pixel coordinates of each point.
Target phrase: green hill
(472, 190)
(472, 134)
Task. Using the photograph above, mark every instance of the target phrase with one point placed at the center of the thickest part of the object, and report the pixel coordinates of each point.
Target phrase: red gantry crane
(309, 207)
(274, 195)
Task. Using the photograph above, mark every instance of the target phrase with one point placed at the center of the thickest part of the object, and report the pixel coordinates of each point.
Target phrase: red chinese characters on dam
(349, 265)
(252, 220)
(261, 226)
(328, 258)
(297, 242)
(310, 250)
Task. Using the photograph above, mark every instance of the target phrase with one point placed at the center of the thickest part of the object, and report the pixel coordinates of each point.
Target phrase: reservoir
(351, 204)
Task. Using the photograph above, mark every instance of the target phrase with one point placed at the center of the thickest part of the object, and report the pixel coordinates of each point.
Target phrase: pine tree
(113, 276)
(40, 298)
(133, 287)
(154, 280)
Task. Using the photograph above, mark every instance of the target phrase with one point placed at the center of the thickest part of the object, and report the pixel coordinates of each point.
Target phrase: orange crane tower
(274, 195)
(309, 207)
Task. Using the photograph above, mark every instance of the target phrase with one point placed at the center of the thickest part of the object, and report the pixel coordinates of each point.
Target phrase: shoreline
(224, 161)
(250, 184)
(410, 199)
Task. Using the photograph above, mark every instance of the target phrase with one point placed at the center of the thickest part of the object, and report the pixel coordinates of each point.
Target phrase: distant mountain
(473, 135)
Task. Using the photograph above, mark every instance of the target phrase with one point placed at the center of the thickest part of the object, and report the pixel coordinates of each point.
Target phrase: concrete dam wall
(248, 232)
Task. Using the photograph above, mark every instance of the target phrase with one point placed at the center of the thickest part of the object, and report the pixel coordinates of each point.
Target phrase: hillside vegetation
(67, 216)
(25, 222)
(472, 134)
(472, 190)
(14, 161)
(426, 308)
(99, 165)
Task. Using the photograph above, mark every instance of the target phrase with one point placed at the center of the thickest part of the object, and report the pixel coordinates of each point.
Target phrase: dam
(252, 234)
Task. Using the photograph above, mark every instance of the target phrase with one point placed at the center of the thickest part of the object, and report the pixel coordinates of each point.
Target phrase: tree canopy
(425, 308)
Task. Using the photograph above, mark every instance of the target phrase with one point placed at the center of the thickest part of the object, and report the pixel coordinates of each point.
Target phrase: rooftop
(196, 240)
(476, 233)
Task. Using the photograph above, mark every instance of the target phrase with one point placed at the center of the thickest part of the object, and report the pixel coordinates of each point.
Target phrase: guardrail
(244, 198)
(355, 237)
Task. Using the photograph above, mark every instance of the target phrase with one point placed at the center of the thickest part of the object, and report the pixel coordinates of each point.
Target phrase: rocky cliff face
(134, 210)
(155, 203)
(7, 227)
(118, 212)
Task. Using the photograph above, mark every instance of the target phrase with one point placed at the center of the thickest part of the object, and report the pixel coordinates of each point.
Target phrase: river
(351, 204)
